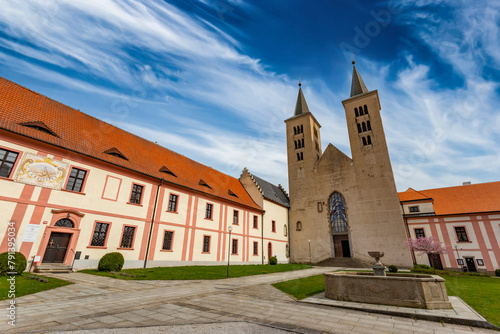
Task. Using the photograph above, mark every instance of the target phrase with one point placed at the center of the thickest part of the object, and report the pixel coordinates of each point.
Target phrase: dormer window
(230, 193)
(40, 126)
(165, 170)
(414, 208)
(115, 152)
(203, 183)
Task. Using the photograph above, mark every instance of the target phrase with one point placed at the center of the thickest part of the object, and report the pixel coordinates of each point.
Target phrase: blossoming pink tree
(426, 245)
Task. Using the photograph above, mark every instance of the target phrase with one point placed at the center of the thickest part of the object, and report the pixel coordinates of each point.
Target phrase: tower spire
(357, 85)
(301, 105)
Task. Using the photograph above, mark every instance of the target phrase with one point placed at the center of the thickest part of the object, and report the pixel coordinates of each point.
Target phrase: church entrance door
(341, 245)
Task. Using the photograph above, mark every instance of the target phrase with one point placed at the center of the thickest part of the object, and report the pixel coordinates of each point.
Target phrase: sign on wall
(30, 233)
(42, 171)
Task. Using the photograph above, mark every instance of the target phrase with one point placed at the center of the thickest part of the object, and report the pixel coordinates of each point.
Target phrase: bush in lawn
(19, 262)
(393, 269)
(422, 269)
(111, 262)
(273, 260)
(497, 272)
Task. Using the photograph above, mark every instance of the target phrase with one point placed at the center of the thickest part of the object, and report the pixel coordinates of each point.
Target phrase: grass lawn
(482, 293)
(302, 287)
(27, 286)
(198, 272)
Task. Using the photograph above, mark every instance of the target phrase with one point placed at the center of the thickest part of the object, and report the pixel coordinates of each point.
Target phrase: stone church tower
(344, 206)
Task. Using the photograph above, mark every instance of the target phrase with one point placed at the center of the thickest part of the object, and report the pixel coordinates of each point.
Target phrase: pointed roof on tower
(301, 105)
(357, 85)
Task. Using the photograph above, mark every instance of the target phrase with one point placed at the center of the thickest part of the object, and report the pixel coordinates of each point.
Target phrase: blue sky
(214, 79)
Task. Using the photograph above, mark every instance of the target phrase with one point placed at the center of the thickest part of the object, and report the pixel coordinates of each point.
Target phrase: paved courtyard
(236, 305)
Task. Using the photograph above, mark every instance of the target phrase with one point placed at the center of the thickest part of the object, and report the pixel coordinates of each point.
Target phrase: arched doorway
(269, 251)
(58, 242)
(339, 227)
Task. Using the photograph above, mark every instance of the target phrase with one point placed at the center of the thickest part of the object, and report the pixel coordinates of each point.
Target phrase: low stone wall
(407, 290)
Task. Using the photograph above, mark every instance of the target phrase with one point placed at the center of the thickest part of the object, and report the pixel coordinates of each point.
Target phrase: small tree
(426, 245)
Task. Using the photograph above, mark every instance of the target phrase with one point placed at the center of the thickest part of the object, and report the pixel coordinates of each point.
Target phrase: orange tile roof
(87, 135)
(411, 195)
(481, 197)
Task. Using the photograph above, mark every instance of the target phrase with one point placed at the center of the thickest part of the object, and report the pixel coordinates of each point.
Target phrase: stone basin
(406, 290)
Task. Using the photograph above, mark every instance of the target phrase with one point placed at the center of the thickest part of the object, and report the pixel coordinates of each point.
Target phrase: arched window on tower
(298, 144)
(338, 213)
(368, 125)
(360, 110)
(364, 126)
(294, 130)
(302, 142)
(364, 141)
(369, 139)
(366, 110)
(301, 155)
(295, 144)
(359, 127)
(299, 226)
(301, 129)
(356, 112)
(298, 156)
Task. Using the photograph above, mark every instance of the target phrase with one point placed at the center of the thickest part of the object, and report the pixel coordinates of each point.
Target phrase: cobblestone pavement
(96, 302)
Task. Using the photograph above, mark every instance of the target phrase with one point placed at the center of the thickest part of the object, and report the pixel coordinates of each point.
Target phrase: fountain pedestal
(378, 267)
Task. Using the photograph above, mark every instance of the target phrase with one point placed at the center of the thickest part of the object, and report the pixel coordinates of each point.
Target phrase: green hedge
(111, 262)
(18, 261)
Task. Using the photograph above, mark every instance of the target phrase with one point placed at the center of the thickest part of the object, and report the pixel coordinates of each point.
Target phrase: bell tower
(303, 144)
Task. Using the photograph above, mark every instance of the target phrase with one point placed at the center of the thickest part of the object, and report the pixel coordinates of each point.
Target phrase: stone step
(344, 262)
(53, 268)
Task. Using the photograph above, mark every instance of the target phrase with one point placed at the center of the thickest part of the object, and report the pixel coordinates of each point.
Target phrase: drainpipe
(152, 222)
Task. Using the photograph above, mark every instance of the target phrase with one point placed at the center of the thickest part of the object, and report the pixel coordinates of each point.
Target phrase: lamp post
(310, 262)
(230, 228)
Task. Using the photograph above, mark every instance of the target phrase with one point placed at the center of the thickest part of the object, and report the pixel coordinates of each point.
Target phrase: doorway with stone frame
(339, 228)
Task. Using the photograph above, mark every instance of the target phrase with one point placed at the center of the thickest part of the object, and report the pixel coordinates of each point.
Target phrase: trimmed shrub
(497, 272)
(273, 260)
(393, 269)
(18, 260)
(421, 266)
(111, 262)
(423, 269)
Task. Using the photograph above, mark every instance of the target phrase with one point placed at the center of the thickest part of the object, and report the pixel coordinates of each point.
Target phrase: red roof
(79, 132)
(482, 197)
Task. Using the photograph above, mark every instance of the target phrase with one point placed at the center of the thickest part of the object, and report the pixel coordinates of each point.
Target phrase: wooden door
(269, 251)
(56, 248)
(435, 261)
(471, 266)
(339, 242)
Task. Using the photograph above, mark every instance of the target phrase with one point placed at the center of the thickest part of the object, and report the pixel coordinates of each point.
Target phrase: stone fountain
(407, 290)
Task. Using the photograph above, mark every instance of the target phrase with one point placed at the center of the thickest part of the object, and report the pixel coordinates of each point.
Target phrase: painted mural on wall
(42, 171)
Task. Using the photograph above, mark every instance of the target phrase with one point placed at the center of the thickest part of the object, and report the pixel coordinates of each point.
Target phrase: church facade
(342, 206)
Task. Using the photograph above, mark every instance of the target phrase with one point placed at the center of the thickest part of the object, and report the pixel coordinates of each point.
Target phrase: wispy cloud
(191, 84)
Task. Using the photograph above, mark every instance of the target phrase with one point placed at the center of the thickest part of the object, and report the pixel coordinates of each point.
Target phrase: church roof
(301, 105)
(357, 85)
(271, 192)
(474, 198)
(36, 116)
